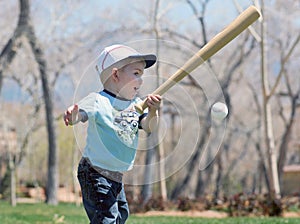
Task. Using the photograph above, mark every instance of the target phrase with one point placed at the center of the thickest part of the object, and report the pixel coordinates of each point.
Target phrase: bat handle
(140, 107)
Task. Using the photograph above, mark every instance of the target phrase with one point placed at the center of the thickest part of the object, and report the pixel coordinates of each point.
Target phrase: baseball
(219, 111)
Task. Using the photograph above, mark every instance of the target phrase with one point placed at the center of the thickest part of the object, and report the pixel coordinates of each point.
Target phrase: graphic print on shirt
(127, 123)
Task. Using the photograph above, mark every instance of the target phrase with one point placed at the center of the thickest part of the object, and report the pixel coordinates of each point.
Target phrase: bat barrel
(245, 19)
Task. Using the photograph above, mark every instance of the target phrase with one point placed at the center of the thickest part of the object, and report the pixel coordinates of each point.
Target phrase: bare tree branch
(283, 62)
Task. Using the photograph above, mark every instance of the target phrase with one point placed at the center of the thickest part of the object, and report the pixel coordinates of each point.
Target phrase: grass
(41, 213)
(70, 214)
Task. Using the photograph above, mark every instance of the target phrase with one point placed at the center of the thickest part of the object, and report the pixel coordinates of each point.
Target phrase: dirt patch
(37, 194)
(203, 214)
(291, 214)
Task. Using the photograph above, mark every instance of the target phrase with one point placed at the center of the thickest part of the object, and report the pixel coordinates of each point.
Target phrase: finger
(158, 97)
(155, 102)
(154, 98)
(152, 104)
(65, 118)
(66, 121)
(72, 109)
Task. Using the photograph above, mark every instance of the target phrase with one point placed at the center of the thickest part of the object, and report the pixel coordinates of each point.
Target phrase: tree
(267, 115)
(268, 93)
(52, 183)
(25, 29)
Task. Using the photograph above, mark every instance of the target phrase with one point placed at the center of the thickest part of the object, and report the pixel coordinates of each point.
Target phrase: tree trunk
(163, 185)
(267, 114)
(283, 149)
(12, 172)
(149, 172)
(52, 183)
(262, 170)
(160, 147)
(74, 173)
(219, 176)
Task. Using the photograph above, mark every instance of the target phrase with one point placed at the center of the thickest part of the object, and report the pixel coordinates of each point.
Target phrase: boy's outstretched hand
(71, 115)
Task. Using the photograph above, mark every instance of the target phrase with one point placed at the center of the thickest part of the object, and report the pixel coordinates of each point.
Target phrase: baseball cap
(117, 56)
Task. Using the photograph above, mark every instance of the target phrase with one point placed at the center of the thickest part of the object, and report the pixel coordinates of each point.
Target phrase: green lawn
(70, 214)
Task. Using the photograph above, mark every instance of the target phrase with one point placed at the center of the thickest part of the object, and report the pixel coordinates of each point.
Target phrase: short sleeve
(88, 103)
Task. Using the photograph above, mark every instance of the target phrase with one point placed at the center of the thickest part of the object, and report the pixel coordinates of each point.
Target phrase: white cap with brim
(117, 56)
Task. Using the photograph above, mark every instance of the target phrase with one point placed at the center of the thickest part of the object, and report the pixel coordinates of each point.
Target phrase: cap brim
(149, 59)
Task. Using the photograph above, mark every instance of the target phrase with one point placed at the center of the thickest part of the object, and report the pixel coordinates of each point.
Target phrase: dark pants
(104, 199)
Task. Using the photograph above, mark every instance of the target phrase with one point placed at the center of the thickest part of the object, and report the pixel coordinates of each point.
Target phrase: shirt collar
(114, 95)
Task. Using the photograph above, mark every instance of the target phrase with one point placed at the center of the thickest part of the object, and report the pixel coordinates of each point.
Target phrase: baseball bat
(245, 19)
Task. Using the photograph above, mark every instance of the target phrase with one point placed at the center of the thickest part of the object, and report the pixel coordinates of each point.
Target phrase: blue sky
(114, 12)
(217, 12)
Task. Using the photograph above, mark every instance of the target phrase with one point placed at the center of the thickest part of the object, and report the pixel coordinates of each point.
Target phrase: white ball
(219, 111)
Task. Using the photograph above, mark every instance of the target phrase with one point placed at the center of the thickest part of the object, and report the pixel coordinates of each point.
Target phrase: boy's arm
(150, 122)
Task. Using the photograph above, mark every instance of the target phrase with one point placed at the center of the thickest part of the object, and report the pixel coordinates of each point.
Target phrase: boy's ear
(114, 74)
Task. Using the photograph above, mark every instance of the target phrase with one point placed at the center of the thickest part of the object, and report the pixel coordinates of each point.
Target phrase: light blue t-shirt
(112, 134)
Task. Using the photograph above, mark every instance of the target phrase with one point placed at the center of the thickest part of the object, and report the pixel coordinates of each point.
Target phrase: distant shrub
(237, 205)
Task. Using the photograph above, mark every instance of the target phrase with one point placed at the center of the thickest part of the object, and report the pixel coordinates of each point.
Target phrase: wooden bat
(245, 19)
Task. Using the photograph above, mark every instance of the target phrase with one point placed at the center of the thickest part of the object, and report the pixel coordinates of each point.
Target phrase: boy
(112, 131)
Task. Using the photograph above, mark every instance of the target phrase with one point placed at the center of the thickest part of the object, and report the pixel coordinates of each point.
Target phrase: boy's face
(130, 80)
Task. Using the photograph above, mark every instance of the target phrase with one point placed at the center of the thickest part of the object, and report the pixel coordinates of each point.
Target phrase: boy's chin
(130, 97)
